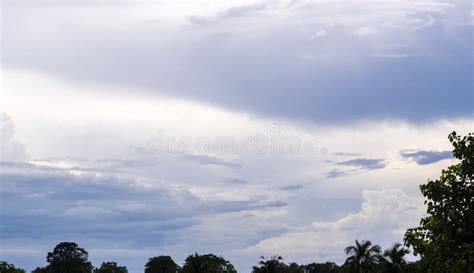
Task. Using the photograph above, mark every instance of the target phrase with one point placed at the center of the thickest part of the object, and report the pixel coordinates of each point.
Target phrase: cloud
(369, 164)
(208, 160)
(392, 55)
(319, 34)
(426, 157)
(244, 67)
(365, 31)
(234, 181)
(230, 13)
(361, 164)
(90, 166)
(294, 187)
(52, 201)
(10, 149)
(127, 163)
(345, 154)
(187, 156)
(109, 166)
(337, 173)
(383, 218)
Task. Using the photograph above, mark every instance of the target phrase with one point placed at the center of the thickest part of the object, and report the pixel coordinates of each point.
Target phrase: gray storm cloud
(262, 59)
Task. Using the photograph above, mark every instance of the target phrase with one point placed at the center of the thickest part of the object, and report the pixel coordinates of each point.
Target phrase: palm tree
(394, 258)
(362, 256)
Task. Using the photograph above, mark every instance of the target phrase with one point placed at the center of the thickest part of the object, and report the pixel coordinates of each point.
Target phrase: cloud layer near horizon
(384, 214)
(93, 184)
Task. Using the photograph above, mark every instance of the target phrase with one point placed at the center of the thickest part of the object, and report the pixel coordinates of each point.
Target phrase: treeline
(444, 240)
(68, 257)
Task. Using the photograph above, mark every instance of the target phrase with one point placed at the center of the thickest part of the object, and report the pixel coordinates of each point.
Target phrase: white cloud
(365, 31)
(319, 34)
(10, 149)
(384, 216)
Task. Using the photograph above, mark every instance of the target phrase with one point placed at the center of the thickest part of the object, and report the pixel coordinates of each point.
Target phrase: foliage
(68, 257)
(414, 267)
(394, 259)
(294, 268)
(40, 270)
(208, 263)
(110, 267)
(274, 264)
(9, 268)
(362, 257)
(322, 268)
(161, 264)
(445, 237)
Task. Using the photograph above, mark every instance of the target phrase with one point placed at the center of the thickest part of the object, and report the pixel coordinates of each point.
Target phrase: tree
(294, 268)
(414, 267)
(110, 267)
(362, 256)
(68, 257)
(445, 237)
(5, 267)
(208, 263)
(327, 267)
(274, 264)
(40, 270)
(161, 264)
(394, 258)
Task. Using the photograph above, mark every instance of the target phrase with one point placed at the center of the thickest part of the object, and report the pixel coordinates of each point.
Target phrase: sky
(239, 128)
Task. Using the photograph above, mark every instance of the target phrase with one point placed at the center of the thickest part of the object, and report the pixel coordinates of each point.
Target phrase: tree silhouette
(327, 267)
(68, 257)
(40, 270)
(362, 257)
(294, 268)
(445, 238)
(394, 258)
(274, 264)
(161, 264)
(208, 263)
(110, 267)
(9, 268)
